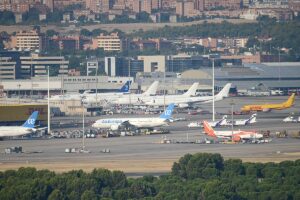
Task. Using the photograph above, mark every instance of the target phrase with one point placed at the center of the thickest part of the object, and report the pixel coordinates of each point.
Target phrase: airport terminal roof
(274, 75)
(195, 74)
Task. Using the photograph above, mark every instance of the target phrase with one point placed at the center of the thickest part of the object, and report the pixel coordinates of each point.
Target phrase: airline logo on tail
(31, 120)
(168, 112)
(208, 129)
(126, 87)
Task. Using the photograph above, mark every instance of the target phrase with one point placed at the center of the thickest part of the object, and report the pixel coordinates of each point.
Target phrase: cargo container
(12, 114)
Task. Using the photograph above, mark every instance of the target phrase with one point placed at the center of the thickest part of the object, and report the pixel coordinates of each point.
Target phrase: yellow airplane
(268, 107)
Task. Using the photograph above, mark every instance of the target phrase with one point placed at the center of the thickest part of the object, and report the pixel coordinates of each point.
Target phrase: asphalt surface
(147, 148)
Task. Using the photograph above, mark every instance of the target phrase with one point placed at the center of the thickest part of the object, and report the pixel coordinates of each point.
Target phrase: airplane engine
(183, 105)
(114, 127)
(266, 110)
(236, 138)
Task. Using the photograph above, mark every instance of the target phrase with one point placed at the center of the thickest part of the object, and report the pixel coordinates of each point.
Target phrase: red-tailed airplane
(234, 135)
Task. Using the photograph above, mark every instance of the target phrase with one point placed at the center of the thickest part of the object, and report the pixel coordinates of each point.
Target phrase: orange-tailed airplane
(234, 135)
(268, 107)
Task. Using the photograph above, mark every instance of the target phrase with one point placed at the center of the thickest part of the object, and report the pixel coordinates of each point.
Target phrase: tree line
(198, 176)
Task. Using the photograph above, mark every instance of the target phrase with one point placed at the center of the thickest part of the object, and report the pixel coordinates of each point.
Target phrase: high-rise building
(50, 4)
(294, 5)
(119, 5)
(156, 4)
(114, 66)
(7, 68)
(145, 5)
(35, 65)
(99, 6)
(200, 5)
(185, 8)
(137, 6)
(180, 8)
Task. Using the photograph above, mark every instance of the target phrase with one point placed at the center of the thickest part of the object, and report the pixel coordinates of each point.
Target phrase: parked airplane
(103, 98)
(244, 122)
(218, 123)
(141, 99)
(269, 107)
(149, 122)
(26, 128)
(291, 119)
(184, 101)
(234, 135)
(88, 94)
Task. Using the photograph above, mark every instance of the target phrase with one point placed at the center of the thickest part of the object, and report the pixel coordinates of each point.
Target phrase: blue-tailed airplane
(146, 122)
(26, 128)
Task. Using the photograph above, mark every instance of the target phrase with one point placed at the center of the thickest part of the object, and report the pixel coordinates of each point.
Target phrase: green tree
(98, 31)
(55, 195)
(82, 19)
(200, 165)
(31, 16)
(54, 17)
(89, 195)
(85, 32)
(143, 17)
(51, 33)
(7, 18)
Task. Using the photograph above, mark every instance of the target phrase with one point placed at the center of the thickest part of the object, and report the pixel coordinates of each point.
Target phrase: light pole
(213, 89)
(165, 89)
(83, 139)
(48, 74)
(213, 57)
(19, 85)
(232, 104)
(279, 68)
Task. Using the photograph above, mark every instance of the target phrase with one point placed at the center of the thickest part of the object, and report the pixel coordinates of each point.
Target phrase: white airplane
(26, 128)
(291, 119)
(149, 122)
(141, 99)
(218, 123)
(90, 95)
(184, 101)
(234, 135)
(127, 97)
(245, 122)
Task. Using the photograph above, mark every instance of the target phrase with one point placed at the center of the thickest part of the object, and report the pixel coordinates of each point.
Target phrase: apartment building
(111, 42)
(28, 40)
(20, 7)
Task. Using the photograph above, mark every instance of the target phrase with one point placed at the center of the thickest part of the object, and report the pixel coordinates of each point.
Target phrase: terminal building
(17, 65)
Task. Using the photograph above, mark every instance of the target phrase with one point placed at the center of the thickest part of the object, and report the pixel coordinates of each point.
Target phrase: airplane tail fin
(125, 87)
(222, 121)
(252, 119)
(290, 101)
(168, 112)
(152, 89)
(224, 92)
(192, 91)
(208, 129)
(31, 120)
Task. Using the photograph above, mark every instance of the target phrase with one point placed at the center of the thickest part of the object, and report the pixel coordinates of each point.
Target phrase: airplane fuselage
(137, 122)
(264, 107)
(240, 134)
(8, 131)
